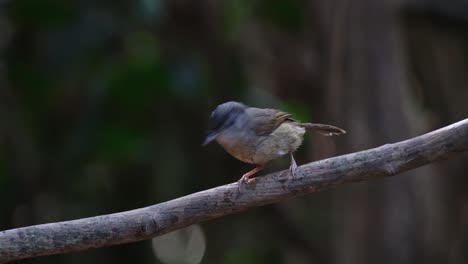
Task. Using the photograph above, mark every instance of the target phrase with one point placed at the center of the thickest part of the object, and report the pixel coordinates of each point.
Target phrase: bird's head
(222, 118)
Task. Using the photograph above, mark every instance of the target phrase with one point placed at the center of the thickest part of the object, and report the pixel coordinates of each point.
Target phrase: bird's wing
(265, 120)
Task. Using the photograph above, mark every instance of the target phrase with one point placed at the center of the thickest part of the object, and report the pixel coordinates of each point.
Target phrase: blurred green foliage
(44, 15)
(298, 109)
(285, 15)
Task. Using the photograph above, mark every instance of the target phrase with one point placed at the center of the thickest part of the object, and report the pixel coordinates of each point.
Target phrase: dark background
(103, 107)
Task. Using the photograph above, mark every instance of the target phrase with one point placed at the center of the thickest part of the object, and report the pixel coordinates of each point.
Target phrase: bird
(259, 135)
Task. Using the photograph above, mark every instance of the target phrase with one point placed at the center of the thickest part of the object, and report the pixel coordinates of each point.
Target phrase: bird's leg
(293, 167)
(246, 177)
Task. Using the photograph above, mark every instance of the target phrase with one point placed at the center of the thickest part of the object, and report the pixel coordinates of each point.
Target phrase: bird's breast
(239, 144)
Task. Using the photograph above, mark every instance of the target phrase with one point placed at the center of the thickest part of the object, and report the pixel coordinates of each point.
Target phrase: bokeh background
(103, 107)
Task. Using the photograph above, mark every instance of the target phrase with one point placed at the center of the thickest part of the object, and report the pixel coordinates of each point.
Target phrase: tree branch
(152, 221)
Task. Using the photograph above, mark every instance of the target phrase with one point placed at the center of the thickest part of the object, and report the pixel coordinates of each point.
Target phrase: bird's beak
(211, 136)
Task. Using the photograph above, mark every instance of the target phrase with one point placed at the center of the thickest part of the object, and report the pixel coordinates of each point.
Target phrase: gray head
(223, 117)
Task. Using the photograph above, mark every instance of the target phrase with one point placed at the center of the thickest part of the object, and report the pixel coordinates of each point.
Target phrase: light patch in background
(151, 10)
(184, 246)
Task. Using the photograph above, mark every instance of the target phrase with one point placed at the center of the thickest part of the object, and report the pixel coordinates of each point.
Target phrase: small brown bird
(258, 135)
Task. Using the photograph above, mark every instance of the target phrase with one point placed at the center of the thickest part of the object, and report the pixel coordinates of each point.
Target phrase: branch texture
(152, 221)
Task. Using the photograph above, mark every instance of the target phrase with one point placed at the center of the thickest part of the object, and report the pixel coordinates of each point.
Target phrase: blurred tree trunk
(404, 220)
(368, 90)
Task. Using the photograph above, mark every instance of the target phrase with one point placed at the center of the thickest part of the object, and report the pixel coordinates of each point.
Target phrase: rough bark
(148, 222)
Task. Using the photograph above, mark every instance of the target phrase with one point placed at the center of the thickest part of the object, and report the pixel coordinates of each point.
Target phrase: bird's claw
(293, 170)
(250, 180)
(293, 167)
(245, 180)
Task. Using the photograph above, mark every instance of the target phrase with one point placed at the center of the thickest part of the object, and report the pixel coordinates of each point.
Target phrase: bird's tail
(326, 130)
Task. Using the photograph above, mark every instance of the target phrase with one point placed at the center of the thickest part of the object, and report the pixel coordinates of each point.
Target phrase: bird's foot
(245, 179)
(293, 170)
(293, 167)
(251, 180)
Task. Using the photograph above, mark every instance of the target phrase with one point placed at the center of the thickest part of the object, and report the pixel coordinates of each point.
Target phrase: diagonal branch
(152, 221)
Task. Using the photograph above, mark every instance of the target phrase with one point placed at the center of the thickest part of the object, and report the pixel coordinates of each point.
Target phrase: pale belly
(285, 139)
(261, 149)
